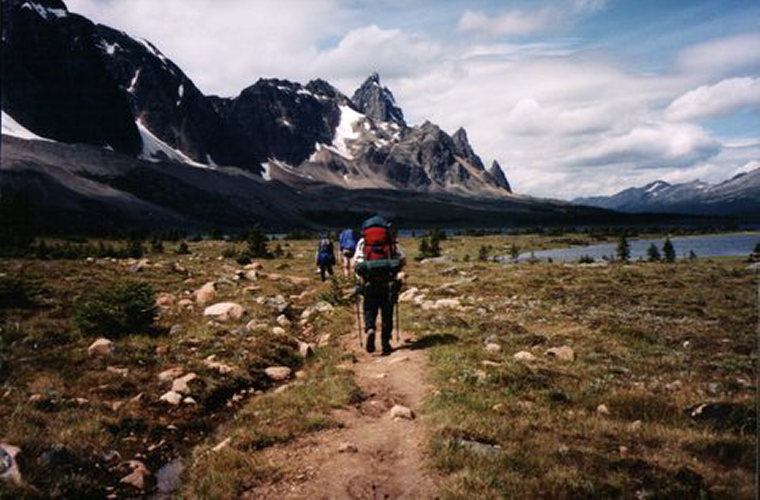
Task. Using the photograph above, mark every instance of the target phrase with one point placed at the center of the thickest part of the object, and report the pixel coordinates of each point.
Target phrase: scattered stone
(252, 289)
(347, 448)
(489, 363)
(222, 445)
(118, 371)
(171, 397)
(222, 368)
(181, 384)
(451, 303)
(623, 450)
(177, 329)
(323, 307)
(635, 425)
(493, 348)
(137, 477)
(166, 300)
(206, 293)
(524, 356)
(401, 412)
(168, 477)
(138, 266)
(306, 349)
(252, 275)
(602, 410)
(36, 398)
(170, 374)
(713, 388)
(408, 295)
(189, 401)
(110, 456)
(278, 373)
(401, 359)
(480, 448)
(300, 374)
(101, 347)
(224, 311)
(564, 353)
(563, 449)
(437, 260)
(162, 350)
(278, 330)
(526, 405)
(9, 470)
(283, 321)
(674, 386)
(499, 407)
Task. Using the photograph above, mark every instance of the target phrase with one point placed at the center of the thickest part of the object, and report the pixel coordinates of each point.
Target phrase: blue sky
(572, 97)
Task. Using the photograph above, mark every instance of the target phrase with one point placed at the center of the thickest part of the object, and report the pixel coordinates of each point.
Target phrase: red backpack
(379, 243)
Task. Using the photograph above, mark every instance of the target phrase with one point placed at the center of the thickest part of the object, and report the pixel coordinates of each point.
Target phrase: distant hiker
(325, 256)
(347, 245)
(377, 261)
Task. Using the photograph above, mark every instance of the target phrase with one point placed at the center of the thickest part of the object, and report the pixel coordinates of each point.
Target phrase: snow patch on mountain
(14, 128)
(44, 12)
(346, 130)
(156, 150)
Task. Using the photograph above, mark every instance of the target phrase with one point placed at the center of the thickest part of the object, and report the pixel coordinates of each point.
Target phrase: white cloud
(515, 22)
(721, 56)
(710, 101)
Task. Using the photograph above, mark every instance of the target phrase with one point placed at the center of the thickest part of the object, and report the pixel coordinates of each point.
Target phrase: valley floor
(525, 380)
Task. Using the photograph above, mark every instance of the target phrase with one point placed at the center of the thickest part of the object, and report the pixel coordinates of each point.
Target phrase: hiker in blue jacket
(347, 246)
(325, 256)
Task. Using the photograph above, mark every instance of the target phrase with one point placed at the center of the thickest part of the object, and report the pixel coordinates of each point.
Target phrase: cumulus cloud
(710, 101)
(724, 55)
(655, 145)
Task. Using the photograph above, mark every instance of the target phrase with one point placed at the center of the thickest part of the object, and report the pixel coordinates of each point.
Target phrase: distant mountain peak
(377, 102)
(498, 175)
(463, 148)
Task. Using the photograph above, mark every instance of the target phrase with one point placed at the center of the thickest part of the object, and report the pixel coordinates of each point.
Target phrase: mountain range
(736, 196)
(101, 130)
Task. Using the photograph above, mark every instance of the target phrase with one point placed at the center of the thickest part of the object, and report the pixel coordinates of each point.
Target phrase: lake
(713, 245)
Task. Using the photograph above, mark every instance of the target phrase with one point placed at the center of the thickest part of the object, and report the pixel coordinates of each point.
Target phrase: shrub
(126, 307)
(623, 249)
(17, 292)
(653, 254)
(257, 245)
(586, 259)
(183, 249)
(668, 251)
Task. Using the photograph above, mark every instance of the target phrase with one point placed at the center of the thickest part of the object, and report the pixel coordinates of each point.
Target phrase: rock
(170, 374)
(323, 307)
(189, 401)
(166, 300)
(177, 329)
(437, 260)
(222, 368)
(306, 349)
(602, 410)
(489, 363)
(635, 425)
(171, 397)
(564, 353)
(401, 412)
(101, 347)
(278, 330)
(138, 266)
(206, 293)
(493, 348)
(499, 407)
(222, 445)
(136, 478)
(224, 311)
(185, 303)
(278, 373)
(347, 448)
(118, 371)
(480, 448)
(9, 470)
(168, 477)
(283, 321)
(623, 450)
(162, 350)
(524, 356)
(255, 325)
(181, 384)
(452, 303)
(674, 386)
(252, 275)
(252, 289)
(408, 295)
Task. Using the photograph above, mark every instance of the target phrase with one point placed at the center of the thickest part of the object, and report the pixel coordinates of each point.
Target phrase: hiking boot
(387, 349)
(370, 341)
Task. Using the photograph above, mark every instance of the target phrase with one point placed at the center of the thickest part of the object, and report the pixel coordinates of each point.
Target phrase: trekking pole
(398, 320)
(359, 322)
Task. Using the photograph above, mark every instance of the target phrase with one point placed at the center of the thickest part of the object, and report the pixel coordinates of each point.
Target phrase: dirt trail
(388, 462)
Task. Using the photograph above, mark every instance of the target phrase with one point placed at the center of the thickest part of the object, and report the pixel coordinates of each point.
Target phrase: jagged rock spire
(377, 102)
(462, 148)
(498, 175)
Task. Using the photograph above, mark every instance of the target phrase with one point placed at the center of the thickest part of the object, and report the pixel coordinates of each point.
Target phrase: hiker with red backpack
(377, 261)
(325, 256)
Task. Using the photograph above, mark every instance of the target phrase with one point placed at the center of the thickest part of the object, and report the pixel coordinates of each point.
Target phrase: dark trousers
(327, 266)
(378, 296)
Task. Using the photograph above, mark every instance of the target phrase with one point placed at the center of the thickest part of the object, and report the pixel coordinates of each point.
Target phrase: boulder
(323, 307)
(222, 368)
(564, 353)
(224, 312)
(524, 356)
(206, 293)
(602, 410)
(493, 348)
(166, 300)
(451, 303)
(399, 412)
(9, 470)
(278, 373)
(170, 374)
(181, 384)
(136, 478)
(408, 295)
(102, 347)
(283, 321)
(171, 397)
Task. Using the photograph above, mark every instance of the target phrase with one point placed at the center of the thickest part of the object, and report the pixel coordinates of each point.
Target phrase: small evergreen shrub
(17, 292)
(126, 307)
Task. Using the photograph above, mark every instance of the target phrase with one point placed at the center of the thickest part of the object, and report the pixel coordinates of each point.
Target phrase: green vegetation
(668, 252)
(653, 255)
(623, 251)
(120, 309)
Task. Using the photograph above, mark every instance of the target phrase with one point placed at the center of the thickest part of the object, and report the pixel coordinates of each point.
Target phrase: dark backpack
(325, 246)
